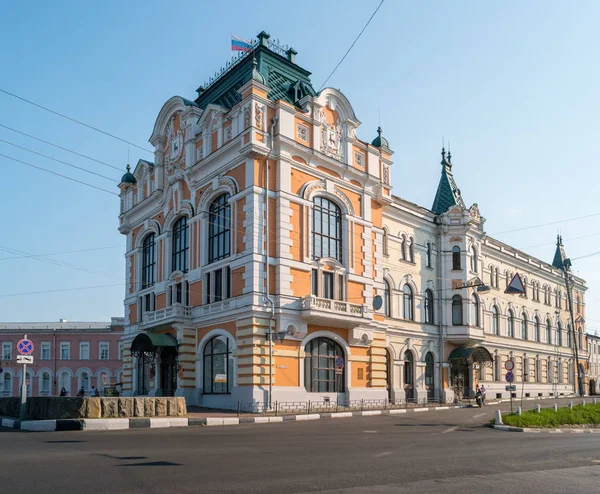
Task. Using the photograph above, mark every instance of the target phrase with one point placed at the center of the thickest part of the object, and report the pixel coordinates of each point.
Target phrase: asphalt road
(442, 452)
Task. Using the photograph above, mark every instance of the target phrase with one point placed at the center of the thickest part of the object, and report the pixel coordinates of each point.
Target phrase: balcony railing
(336, 306)
(176, 311)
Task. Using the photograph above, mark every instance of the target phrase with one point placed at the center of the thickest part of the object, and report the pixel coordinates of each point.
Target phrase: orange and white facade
(267, 259)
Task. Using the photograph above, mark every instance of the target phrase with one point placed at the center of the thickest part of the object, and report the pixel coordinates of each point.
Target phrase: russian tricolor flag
(240, 44)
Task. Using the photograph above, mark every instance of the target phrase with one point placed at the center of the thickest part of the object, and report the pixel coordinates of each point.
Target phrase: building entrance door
(168, 371)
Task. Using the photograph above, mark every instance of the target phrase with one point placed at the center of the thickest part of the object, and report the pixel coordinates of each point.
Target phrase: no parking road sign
(510, 377)
(25, 347)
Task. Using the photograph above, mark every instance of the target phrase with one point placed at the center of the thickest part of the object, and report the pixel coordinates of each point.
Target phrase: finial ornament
(128, 168)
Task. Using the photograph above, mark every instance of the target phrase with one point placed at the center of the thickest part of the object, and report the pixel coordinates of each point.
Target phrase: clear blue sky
(512, 85)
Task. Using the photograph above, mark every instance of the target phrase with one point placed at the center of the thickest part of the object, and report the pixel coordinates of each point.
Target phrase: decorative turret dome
(380, 141)
(256, 75)
(128, 178)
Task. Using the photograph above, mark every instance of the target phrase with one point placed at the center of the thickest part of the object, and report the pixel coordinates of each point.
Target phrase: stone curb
(508, 428)
(162, 422)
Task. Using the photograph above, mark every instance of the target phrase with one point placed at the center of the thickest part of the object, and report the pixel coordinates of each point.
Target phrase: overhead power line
(59, 174)
(76, 121)
(58, 253)
(566, 240)
(59, 290)
(59, 161)
(60, 147)
(352, 45)
(547, 224)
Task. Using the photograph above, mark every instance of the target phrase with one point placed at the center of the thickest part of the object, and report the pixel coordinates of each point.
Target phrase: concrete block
(117, 424)
(110, 408)
(157, 422)
(178, 421)
(138, 407)
(160, 407)
(94, 424)
(149, 407)
(171, 407)
(38, 425)
(125, 407)
(181, 406)
(94, 408)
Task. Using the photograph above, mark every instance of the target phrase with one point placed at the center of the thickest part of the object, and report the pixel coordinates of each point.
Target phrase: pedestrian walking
(63, 392)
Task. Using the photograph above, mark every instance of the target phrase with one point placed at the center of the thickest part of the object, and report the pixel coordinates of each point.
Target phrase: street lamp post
(568, 283)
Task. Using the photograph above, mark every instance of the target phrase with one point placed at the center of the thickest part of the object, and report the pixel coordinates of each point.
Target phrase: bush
(579, 415)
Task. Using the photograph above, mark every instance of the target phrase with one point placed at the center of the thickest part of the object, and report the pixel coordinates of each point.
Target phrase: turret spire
(559, 254)
(448, 194)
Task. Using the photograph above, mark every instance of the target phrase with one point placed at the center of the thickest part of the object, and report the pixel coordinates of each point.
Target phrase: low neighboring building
(593, 371)
(66, 354)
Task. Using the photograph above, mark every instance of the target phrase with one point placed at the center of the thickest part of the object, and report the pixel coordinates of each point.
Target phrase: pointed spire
(559, 254)
(448, 194)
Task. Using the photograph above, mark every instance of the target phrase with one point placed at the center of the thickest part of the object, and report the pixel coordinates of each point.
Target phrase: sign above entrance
(515, 285)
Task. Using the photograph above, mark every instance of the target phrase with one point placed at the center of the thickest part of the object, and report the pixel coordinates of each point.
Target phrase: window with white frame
(386, 242)
(6, 384)
(387, 305)
(411, 250)
(328, 284)
(326, 229)
(64, 381)
(429, 314)
(408, 303)
(148, 260)
(84, 381)
(473, 259)
(510, 324)
(104, 346)
(6, 350)
(29, 382)
(475, 311)
(84, 350)
(217, 285)
(45, 382)
(65, 350)
(429, 255)
(178, 293)
(121, 347)
(45, 350)
(495, 320)
(219, 229)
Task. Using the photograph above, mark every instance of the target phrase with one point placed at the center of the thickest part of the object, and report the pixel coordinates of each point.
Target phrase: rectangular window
(327, 288)
(186, 297)
(315, 282)
(178, 293)
(340, 287)
(149, 302)
(120, 350)
(45, 350)
(228, 282)
(207, 288)
(84, 350)
(104, 350)
(6, 351)
(65, 350)
(218, 292)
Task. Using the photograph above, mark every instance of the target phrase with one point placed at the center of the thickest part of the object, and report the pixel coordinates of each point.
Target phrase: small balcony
(464, 335)
(334, 312)
(168, 315)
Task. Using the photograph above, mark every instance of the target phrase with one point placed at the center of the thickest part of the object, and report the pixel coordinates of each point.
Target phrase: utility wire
(352, 45)
(566, 240)
(60, 147)
(59, 290)
(59, 174)
(547, 224)
(59, 161)
(76, 121)
(58, 253)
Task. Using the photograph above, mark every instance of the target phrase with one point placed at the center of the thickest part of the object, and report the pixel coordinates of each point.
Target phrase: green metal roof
(448, 194)
(149, 341)
(128, 178)
(559, 254)
(476, 353)
(380, 141)
(285, 80)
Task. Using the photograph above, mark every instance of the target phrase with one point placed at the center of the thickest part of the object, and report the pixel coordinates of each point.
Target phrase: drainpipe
(54, 355)
(268, 299)
(441, 293)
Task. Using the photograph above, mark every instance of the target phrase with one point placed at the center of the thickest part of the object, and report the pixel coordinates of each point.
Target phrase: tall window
(219, 228)
(429, 315)
(386, 242)
(495, 320)
(64, 381)
(407, 297)
(45, 353)
(104, 346)
(320, 371)
(84, 350)
(65, 350)
(524, 335)
(548, 332)
(408, 368)
(473, 259)
(510, 324)
(492, 280)
(475, 311)
(148, 261)
(429, 253)
(411, 250)
(218, 366)
(387, 300)
(457, 310)
(6, 350)
(456, 257)
(538, 329)
(496, 273)
(429, 366)
(403, 248)
(45, 383)
(569, 340)
(559, 334)
(84, 381)
(7, 390)
(327, 229)
(180, 245)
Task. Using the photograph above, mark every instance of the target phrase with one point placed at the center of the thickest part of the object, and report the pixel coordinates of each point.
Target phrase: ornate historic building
(267, 260)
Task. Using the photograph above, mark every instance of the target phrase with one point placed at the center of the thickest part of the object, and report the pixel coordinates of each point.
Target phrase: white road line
(370, 432)
(450, 429)
(479, 415)
(381, 455)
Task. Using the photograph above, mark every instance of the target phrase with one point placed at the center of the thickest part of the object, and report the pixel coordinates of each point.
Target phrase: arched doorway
(409, 376)
(148, 348)
(461, 368)
(389, 366)
(430, 376)
(322, 374)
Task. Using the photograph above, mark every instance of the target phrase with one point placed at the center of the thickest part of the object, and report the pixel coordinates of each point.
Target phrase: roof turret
(128, 178)
(380, 141)
(448, 194)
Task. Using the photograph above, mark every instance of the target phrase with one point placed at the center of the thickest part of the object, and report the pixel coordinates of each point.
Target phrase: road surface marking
(479, 415)
(451, 429)
(385, 453)
(370, 432)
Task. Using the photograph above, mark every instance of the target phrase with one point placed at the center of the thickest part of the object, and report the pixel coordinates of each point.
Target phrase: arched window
(549, 371)
(219, 228)
(386, 242)
(429, 374)
(524, 328)
(403, 248)
(559, 334)
(320, 374)
(495, 320)
(387, 299)
(411, 250)
(538, 330)
(429, 314)
(327, 229)
(475, 311)
(429, 252)
(457, 310)
(492, 280)
(407, 297)
(218, 366)
(408, 369)
(7, 383)
(148, 261)
(45, 383)
(84, 381)
(497, 278)
(548, 332)
(473, 259)
(103, 380)
(456, 257)
(180, 246)
(558, 299)
(510, 324)
(569, 336)
(64, 381)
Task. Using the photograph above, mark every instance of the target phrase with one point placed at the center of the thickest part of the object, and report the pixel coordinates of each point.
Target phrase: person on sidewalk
(482, 389)
(63, 392)
(94, 392)
(81, 392)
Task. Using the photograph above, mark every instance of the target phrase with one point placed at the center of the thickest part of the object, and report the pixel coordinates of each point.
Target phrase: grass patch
(579, 415)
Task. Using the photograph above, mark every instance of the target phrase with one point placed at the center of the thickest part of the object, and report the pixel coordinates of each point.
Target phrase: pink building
(67, 354)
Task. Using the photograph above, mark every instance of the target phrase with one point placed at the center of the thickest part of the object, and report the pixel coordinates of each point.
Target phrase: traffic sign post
(25, 348)
(509, 365)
